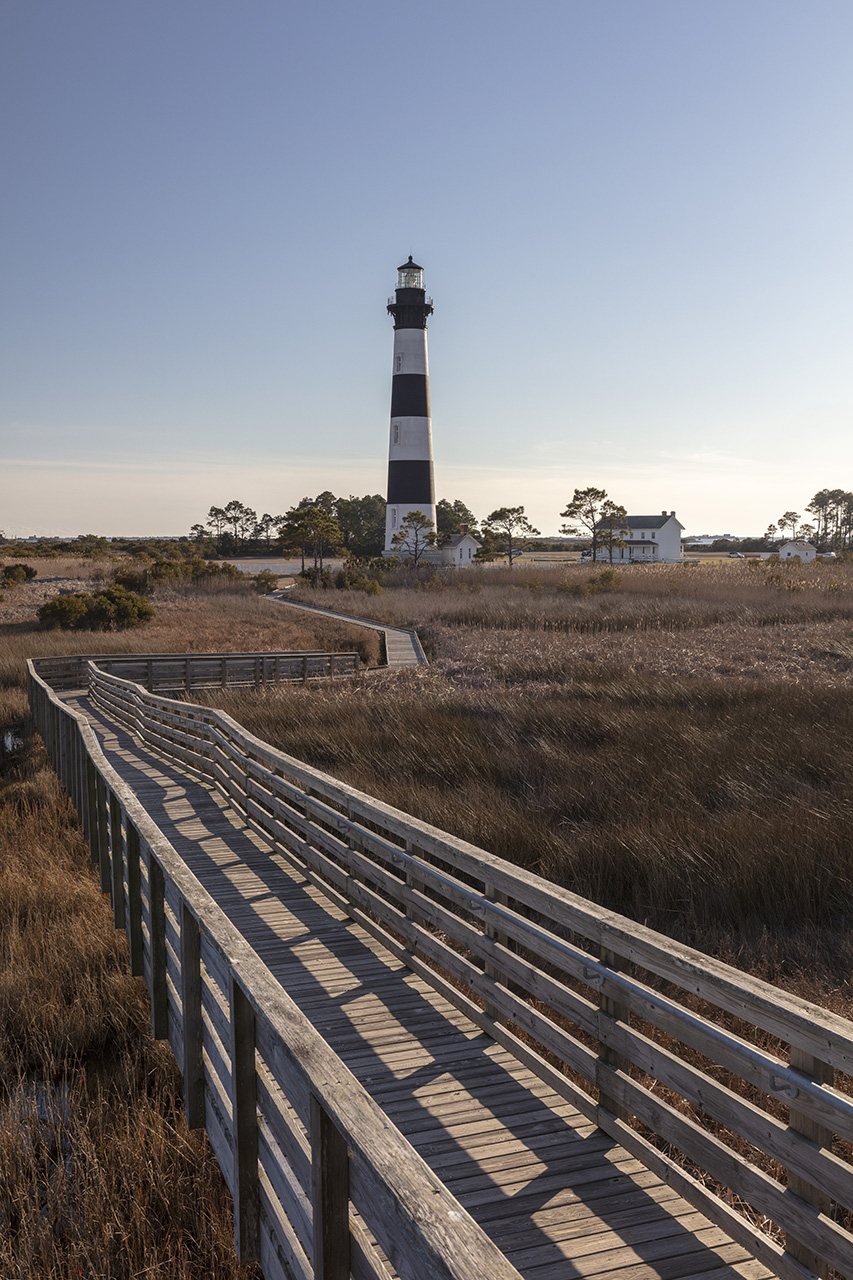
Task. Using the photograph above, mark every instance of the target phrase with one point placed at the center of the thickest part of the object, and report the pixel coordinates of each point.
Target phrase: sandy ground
(20, 604)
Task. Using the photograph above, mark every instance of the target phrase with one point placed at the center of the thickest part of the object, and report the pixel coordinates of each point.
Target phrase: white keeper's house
(647, 539)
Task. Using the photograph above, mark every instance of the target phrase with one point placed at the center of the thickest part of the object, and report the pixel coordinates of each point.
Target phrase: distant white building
(460, 549)
(647, 539)
(804, 550)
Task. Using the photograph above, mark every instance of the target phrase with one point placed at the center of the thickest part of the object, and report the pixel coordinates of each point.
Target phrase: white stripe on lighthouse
(410, 438)
(410, 351)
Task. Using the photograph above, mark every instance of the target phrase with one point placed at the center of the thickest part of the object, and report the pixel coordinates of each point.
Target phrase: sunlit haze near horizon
(633, 216)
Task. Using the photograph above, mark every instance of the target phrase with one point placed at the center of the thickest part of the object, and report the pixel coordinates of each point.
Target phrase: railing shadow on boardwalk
(519, 959)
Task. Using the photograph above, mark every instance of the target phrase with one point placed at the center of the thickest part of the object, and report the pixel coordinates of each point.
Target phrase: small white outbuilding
(804, 550)
(460, 549)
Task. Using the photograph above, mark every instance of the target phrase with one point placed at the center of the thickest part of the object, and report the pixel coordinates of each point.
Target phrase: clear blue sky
(634, 217)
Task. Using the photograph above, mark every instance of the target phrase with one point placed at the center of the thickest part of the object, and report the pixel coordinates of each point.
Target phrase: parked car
(736, 555)
(827, 555)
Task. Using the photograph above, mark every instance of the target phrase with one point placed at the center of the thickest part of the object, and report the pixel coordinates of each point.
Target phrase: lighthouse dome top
(410, 275)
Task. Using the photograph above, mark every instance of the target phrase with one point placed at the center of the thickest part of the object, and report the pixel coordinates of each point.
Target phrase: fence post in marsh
(103, 834)
(150, 676)
(188, 674)
(610, 1009)
(191, 1020)
(257, 671)
(134, 899)
(330, 1196)
(117, 861)
(821, 1072)
(224, 671)
(244, 1111)
(304, 668)
(159, 987)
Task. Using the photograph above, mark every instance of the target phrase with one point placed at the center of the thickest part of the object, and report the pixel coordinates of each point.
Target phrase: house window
(653, 533)
(398, 364)
(393, 517)
(396, 433)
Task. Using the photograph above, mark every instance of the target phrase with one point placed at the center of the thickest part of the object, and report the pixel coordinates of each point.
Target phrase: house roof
(459, 537)
(642, 522)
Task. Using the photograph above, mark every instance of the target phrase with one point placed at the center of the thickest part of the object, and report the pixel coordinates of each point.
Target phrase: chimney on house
(463, 529)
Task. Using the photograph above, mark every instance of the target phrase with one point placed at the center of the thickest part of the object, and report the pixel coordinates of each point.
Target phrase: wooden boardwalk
(402, 647)
(558, 1197)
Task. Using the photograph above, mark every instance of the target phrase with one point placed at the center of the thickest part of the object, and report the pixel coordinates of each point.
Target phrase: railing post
(117, 861)
(610, 1009)
(491, 931)
(91, 822)
(150, 680)
(244, 1110)
(134, 900)
(814, 1069)
(304, 668)
(330, 1196)
(159, 988)
(103, 836)
(191, 1018)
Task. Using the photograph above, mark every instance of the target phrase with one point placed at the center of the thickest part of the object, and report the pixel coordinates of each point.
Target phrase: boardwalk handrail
(187, 671)
(323, 1183)
(607, 1012)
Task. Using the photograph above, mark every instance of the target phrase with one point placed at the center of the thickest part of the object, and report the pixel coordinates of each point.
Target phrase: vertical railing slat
(244, 1109)
(134, 900)
(159, 987)
(117, 862)
(330, 1196)
(191, 1020)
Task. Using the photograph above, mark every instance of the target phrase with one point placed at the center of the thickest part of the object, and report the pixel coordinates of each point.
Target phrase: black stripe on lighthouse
(410, 395)
(410, 481)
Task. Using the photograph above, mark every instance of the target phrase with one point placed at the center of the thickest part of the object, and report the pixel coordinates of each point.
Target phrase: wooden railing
(324, 1185)
(168, 672)
(721, 1084)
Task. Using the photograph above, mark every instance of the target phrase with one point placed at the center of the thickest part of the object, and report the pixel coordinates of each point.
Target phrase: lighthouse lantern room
(411, 485)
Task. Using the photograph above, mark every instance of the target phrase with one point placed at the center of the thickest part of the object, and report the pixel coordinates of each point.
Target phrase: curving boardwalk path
(558, 1197)
(402, 647)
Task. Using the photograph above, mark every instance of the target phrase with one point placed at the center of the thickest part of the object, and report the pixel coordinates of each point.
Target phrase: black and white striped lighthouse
(411, 486)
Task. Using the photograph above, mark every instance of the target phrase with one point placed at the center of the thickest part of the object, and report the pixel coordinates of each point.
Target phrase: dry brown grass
(643, 597)
(692, 773)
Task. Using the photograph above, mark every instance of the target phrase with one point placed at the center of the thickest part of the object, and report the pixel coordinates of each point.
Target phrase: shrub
(132, 580)
(266, 581)
(607, 580)
(14, 574)
(64, 613)
(114, 609)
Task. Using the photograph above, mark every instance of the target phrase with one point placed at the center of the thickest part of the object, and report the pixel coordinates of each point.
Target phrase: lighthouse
(411, 486)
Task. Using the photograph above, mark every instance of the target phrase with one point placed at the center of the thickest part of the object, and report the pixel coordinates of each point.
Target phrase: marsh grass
(643, 597)
(697, 777)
